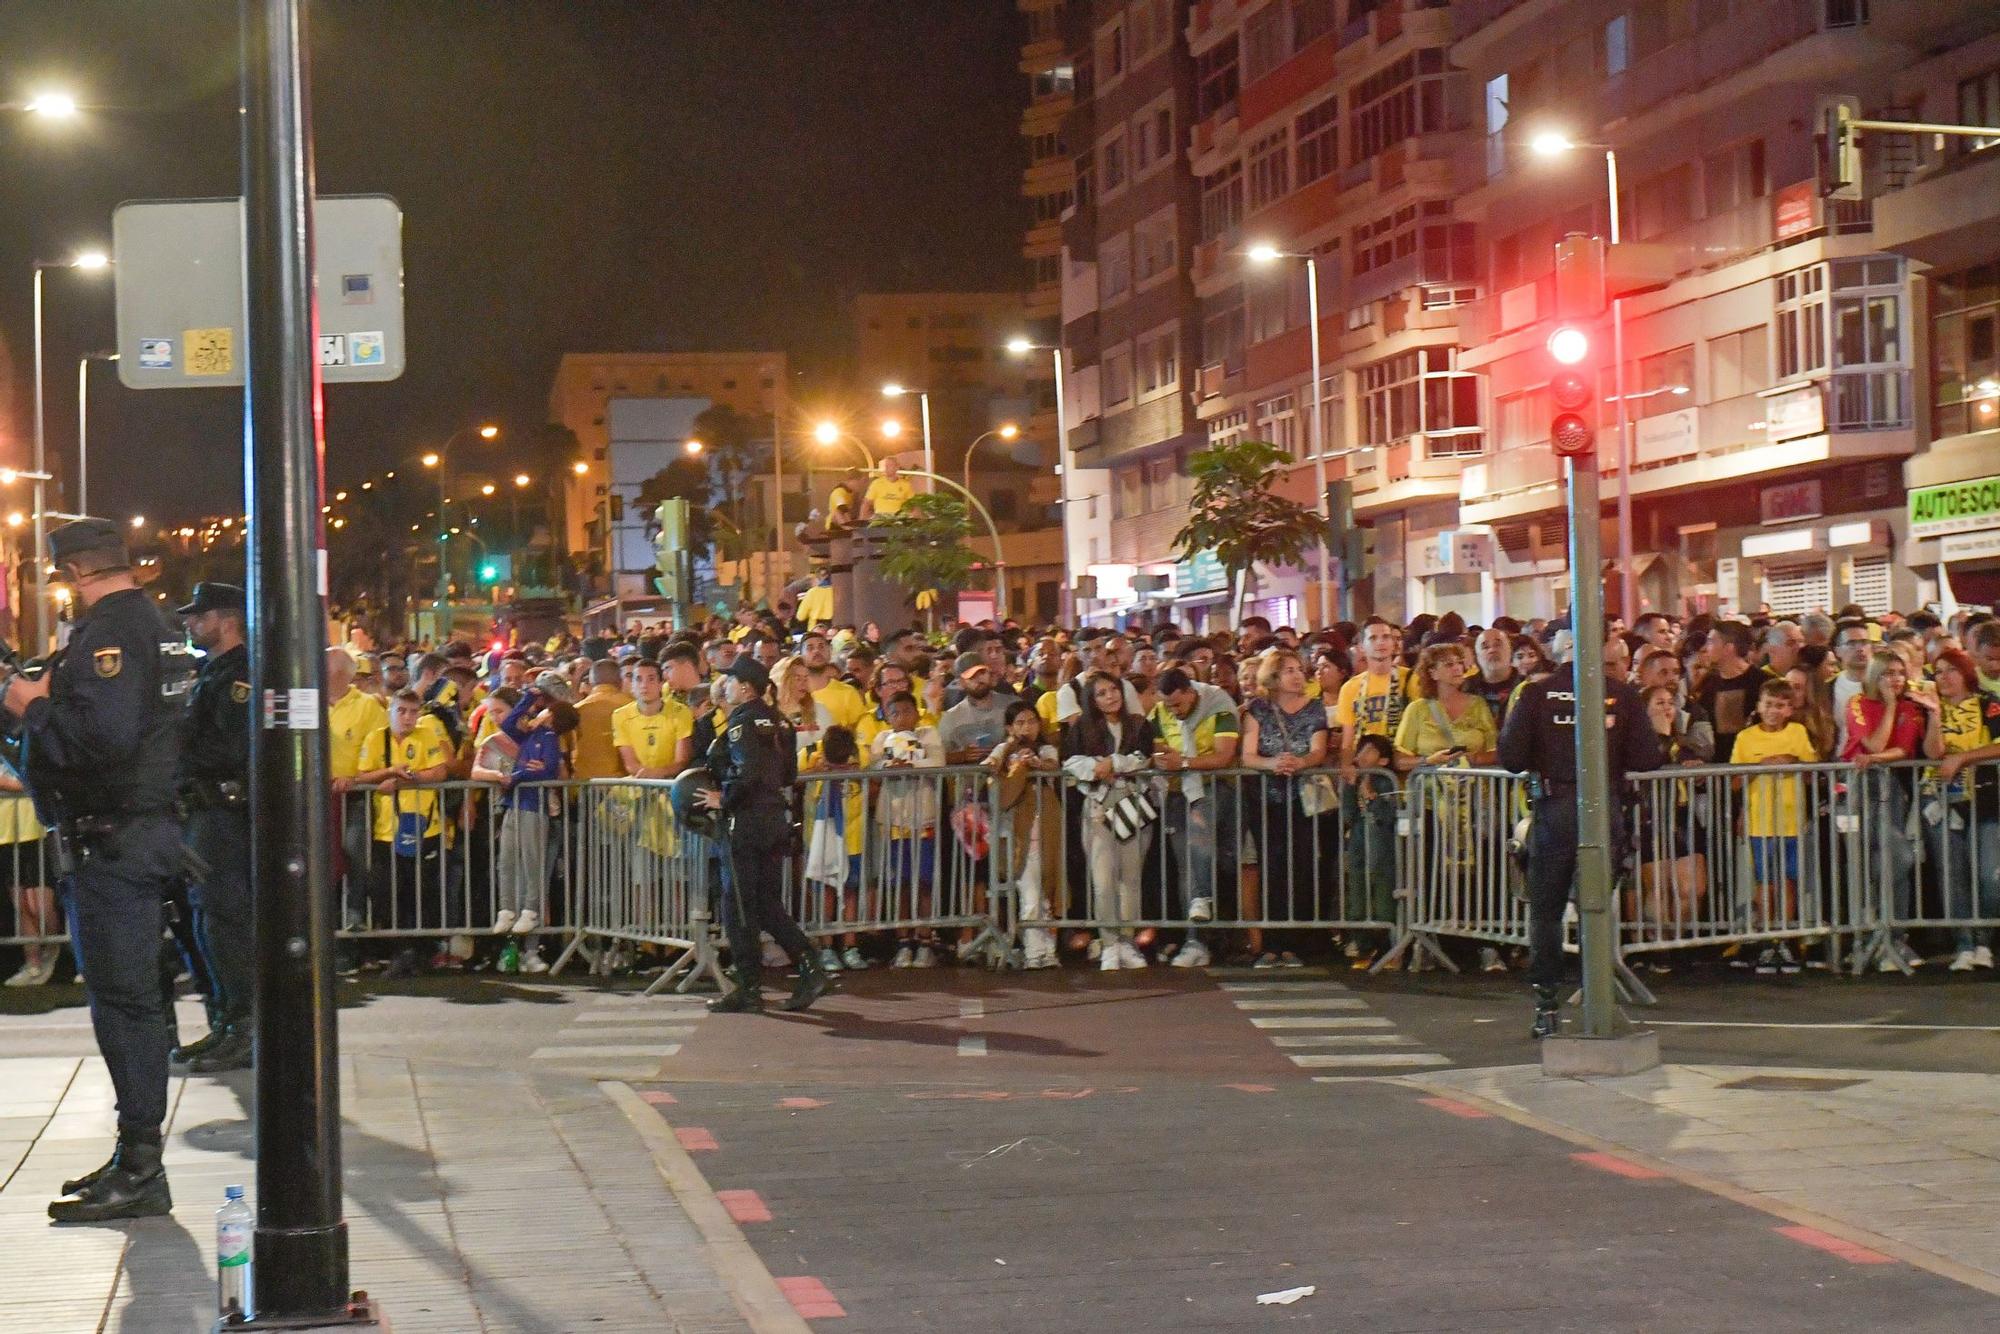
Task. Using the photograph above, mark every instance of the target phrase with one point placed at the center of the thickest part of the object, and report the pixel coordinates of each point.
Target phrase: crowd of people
(1144, 774)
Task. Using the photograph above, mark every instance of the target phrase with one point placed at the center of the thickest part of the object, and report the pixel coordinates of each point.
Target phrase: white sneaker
(1046, 959)
(1490, 960)
(1964, 961)
(926, 957)
(967, 950)
(33, 974)
(527, 921)
(829, 960)
(1201, 909)
(1096, 950)
(1265, 960)
(1909, 953)
(904, 957)
(1194, 954)
(1350, 948)
(1130, 957)
(1110, 961)
(852, 960)
(1982, 957)
(531, 962)
(503, 921)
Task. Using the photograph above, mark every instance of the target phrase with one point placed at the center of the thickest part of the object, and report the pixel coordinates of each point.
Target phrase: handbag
(1130, 815)
(410, 826)
(1318, 796)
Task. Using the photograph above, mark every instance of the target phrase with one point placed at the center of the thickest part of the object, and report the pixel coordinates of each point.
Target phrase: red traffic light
(1570, 435)
(1569, 344)
(1572, 392)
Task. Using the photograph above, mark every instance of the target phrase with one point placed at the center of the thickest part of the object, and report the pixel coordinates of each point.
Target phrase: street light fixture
(487, 489)
(1021, 346)
(694, 447)
(826, 433)
(430, 460)
(51, 106)
(1265, 253)
(521, 479)
(580, 468)
(894, 390)
(489, 432)
(891, 428)
(89, 261)
(138, 521)
(1006, 431)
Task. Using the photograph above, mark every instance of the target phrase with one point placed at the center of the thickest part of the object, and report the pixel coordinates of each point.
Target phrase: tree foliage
(923, 545)
(1234, 512)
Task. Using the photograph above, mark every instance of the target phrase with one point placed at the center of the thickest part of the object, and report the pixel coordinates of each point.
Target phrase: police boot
(1548, 1012)
(231, 1050)
(747, 997)
(218, 1031)
(132, 1185)
(814, 982)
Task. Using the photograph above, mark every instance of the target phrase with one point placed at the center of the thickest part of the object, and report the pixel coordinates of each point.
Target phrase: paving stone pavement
(1910, 1156)
(478, 1199)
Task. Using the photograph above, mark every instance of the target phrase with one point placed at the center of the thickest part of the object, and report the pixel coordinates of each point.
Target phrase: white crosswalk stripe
(1300, 1016)
(623, 1037)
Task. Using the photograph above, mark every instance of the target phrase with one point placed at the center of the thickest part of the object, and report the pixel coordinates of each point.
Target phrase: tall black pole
(301, 1244)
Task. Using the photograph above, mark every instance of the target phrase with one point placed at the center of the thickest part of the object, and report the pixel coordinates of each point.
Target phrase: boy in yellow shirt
(1771, 813)
(411, 752)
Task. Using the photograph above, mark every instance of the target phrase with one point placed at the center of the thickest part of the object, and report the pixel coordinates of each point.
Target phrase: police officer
(215, 804)
(101, 730)
(755, 759)
(1540, 738)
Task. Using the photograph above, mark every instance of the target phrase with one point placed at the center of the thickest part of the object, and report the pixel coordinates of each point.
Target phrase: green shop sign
(1955, 507)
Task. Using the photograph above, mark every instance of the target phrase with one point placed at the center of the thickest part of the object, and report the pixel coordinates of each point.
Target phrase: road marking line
(1618, 1167)
(659, 1097)
(1252, 1088)
(1345, 1022)
(1349, 1060)
(745, 1206)
(695, 1139)
(1343, 1040)
(1453, 1107)
(800, 1104)
(1281, 986)
(1832, 1245)
(589, 1053)
(757, 1295)
(1296, 1020)
(1303, 1003)
(972, 1009)
(625, 1033)
(632, 1017)
(810, 1298)
(972, 1046)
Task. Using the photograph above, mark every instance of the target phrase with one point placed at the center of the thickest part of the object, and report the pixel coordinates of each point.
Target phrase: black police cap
(213, 595)
(81, 536)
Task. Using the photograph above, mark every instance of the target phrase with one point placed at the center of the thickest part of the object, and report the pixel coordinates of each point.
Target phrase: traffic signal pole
(1601, 1017)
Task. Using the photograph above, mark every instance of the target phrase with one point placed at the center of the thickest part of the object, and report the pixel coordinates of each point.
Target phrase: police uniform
(102, 750)
(214, 792)
(755, 760)
(1540, 738)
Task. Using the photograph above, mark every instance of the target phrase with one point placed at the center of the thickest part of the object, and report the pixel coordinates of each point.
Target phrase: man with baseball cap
(976, 724)
(101, 728)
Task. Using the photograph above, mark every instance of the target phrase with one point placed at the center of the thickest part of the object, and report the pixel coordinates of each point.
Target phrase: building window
(1128, 493)
(1118, 377)
(1422, 392)
(1161, 475)
(1317, 135)
(1084, 172)
(1215, 80)
(1739, 363)
(1661, 383)
(1403, 100)
(1153, 248)
(1270, 170)
(1050, 208)
(1734, 177)
(1800, 317)
(1979, 104)
(1045, 271)
(1222, 330)
(1870, 353)
(1112, 162)
(1229, 428)
(1153, 138)
(1617, 48)
(1042, 147)
(1267, 41)
(1662, 203)
(1114, 269)
(1222, 202)
(1311, 20)
(1658, 24)
(1157, 355)
(1448, 251)
(1277, 422)
(1111, 53)
(1278, 300)
(1965, 351)
(1054, 81)
(1149, 27)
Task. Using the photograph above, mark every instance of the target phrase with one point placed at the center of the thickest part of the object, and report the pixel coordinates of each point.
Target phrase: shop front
(1955, 539)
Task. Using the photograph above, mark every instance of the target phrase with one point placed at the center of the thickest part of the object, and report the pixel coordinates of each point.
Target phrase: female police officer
(755, 759)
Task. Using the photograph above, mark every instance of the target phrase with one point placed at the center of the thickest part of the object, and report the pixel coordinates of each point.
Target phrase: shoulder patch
(239, 691)
(736, 731)
(108, 661)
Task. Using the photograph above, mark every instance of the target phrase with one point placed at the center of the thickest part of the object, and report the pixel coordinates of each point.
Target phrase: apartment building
(1769, 386)
(1131, 330)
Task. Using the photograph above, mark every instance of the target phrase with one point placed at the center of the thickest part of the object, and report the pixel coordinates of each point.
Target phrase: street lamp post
(1021, 347)
(83, 425)
(89, 261)
(441, 460)
(1006, 431)
(1553, 144)
(1266, 254)
(924, 408)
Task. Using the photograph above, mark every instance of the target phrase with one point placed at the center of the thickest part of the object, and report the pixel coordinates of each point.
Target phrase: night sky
(575, 175)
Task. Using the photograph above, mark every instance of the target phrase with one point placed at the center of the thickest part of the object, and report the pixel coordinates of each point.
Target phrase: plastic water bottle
(233, 1226)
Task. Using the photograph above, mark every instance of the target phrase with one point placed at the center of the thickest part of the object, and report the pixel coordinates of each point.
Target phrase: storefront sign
(1453, 552)
(1200, 573)
(1955, 507)
(1970, 546)
(1728, 583)
(1794, 413)
(1114, 582)
(1794, 500)
(1792, 211)
(1668, 435)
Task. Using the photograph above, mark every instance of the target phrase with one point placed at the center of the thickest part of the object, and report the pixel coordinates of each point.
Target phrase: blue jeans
(1967, 864)
(1203, 837)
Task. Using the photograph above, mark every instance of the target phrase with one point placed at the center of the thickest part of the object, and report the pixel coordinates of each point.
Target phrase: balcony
(1723, 51)
(1945, 218)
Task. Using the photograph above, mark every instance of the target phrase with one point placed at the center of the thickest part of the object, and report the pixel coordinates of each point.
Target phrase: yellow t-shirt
(1771, 807)
(656, 737)
(1368, 700)
(594, 752)
(842, 704)
(350, 721)
(849, 792)
(425, 747)
(886, 496)
(1426, 728)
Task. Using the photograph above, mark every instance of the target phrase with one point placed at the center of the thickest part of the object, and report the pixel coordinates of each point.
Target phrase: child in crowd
(1030, 819)
(906, 815)
(1771, 814)
(1371, 837)
(836, 810)
(536, 725)
(411, 752)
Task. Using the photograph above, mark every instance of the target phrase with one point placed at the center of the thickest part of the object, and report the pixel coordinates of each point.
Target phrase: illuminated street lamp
(694, 448)
(891, 428)
(431, 460)
(580, 468)
(894, 390)
(51, 106)
(1265, 253)
(1006, 431)
(1020, 346)
(138, 521)
(89, 261)
(521, 479)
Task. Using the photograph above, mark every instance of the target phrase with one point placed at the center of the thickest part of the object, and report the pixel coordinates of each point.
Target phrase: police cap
(80, 537)
(750, 672)
(213, 595)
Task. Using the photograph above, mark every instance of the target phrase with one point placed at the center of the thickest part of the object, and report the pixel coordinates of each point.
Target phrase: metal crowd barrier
(1463, 866)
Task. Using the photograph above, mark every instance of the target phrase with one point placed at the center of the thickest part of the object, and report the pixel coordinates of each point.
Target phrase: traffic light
(669, 543)
(1839, 148)
(1572, 391)
(493, 569)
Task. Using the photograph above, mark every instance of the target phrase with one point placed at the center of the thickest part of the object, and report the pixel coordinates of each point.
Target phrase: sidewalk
(1905, 1163)
(477, 1200)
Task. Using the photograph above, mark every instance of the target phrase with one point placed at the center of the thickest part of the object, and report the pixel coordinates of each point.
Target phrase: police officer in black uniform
(755, 759)
(215, 805)
(1539, 738)
(101, 733)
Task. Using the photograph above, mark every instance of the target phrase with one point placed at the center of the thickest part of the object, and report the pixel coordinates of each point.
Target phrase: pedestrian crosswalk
(1313, 1021)
(622, 1036)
